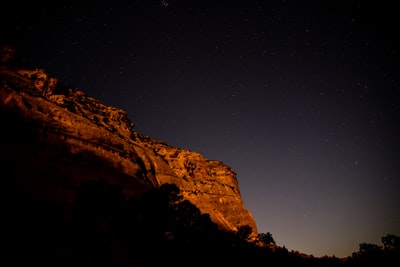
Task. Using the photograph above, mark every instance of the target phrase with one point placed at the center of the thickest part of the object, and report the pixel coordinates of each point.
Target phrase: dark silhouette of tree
(186, 215)
(105, 228)
(391, 242)
(391, 249)
(266, 238)
(375, 255)
(243, 232)
(368, 248)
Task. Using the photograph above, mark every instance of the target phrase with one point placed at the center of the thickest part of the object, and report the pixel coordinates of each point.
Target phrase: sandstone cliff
(55, 137)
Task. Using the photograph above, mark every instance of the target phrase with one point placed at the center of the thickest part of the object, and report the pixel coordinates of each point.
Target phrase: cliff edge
(55, 137)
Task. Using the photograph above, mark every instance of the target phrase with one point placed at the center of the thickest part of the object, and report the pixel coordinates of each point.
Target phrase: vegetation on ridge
(104, 228)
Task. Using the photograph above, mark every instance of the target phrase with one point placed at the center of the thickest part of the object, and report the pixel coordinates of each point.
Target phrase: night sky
(299, 98)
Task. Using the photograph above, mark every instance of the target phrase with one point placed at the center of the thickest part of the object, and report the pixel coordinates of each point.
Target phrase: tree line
(103, 227)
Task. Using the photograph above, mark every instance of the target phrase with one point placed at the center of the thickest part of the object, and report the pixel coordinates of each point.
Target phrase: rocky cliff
(55, 137)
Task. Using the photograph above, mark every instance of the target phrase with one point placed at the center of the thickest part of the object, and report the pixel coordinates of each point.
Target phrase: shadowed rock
(56, 137)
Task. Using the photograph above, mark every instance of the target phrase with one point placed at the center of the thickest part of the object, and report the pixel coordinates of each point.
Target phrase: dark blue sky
(299, 98)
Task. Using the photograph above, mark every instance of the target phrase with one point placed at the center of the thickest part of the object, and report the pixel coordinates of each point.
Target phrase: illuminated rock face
(57, 137)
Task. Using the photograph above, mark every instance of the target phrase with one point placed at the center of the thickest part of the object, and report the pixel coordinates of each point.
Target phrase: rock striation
(55, 137)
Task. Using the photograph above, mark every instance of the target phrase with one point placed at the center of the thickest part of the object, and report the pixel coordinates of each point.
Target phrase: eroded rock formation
(55, 137)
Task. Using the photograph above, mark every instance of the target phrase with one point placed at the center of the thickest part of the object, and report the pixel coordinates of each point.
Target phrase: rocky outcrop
(209, 184)
(56, 137)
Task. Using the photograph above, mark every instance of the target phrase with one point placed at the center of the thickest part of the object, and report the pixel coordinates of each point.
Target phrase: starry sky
(299, 98)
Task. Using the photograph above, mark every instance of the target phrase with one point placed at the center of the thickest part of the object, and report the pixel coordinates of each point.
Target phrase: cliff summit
(56, 137)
